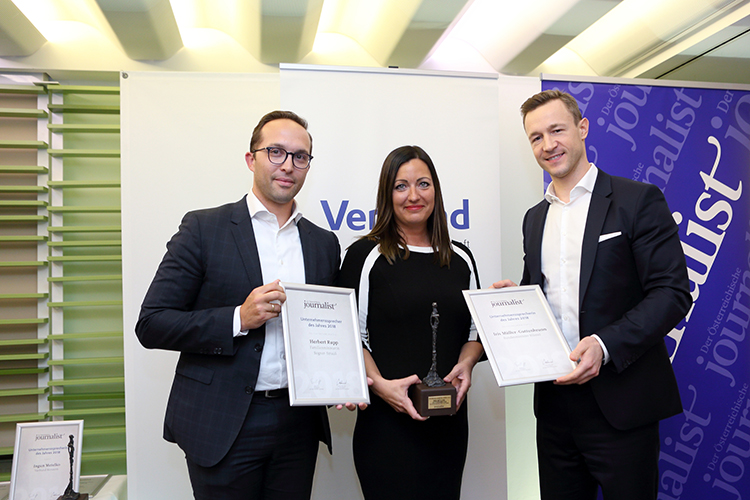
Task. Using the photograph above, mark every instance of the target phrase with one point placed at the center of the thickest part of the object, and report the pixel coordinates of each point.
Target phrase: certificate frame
(41, 463)
(523, 342)
(324, 359)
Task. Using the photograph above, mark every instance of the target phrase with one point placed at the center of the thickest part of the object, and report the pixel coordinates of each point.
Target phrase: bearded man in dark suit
(607, 254)
(216, 299)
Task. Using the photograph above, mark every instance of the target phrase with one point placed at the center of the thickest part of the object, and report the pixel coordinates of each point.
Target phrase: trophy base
(433, 401)
(74, 496)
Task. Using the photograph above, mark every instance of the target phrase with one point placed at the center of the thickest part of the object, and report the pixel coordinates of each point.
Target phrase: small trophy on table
(433, 396)
(70, 493)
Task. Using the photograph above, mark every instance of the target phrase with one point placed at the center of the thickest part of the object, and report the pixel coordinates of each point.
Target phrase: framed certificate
(522, 339)
(43, 456)
(324, 360)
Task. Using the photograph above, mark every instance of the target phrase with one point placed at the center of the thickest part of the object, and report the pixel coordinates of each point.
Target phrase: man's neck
(282, 212)
(563, 186)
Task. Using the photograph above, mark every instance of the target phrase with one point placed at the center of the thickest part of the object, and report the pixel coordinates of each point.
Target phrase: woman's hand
(396, 393)
(460, 375)
(460, 378)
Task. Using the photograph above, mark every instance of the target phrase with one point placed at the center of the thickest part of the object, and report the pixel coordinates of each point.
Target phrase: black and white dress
(396, 456)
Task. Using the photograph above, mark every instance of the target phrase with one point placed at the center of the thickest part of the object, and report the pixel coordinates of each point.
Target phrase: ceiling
(697, 40)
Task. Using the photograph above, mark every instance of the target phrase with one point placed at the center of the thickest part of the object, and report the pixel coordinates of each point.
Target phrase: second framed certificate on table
(324, 360)
(522, 339)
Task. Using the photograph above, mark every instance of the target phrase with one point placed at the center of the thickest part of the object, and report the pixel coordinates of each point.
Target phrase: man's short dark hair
(257, 136)
(546, 96)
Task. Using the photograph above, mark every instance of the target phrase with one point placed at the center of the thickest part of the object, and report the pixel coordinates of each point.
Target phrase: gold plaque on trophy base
(433, 401)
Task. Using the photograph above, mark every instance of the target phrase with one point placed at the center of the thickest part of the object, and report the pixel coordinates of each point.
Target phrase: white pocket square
(605, 237)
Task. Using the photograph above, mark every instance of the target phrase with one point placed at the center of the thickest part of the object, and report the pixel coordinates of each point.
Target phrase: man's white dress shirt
(562, 242)
(280, 253)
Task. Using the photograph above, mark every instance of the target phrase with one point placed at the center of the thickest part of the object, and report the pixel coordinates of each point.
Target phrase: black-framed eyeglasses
(278, 156)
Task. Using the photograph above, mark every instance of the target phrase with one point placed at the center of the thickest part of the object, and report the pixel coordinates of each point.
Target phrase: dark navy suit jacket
(633, 290)
(210, 268)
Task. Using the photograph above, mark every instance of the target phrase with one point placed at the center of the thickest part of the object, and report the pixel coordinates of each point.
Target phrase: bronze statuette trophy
(433, 396)
(70, 493)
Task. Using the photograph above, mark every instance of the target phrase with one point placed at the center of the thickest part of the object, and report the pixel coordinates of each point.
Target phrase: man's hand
(503, 284)
(352, 406)
(262, 304)
(589, 356)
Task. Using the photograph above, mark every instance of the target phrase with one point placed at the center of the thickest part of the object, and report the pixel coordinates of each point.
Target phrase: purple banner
(694, 144)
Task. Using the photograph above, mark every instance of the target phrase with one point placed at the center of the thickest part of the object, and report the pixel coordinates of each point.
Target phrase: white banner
(357, 116)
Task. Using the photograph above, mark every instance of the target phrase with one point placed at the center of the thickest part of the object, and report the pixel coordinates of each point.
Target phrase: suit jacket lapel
(598, 209)
(242, 229)
(534, 233)
(309, 250)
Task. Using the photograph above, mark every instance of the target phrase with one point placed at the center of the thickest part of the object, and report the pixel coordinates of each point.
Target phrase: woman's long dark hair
(386, 231)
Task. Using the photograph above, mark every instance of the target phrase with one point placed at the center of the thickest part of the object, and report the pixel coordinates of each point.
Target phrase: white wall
(184, 136)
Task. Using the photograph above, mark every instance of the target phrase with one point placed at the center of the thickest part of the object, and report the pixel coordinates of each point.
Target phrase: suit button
(258, 347)
(217, 350)
(248, 390)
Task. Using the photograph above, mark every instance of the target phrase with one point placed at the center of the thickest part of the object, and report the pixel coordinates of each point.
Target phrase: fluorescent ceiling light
(500, 30)
(637, 35)
(336, 49)
(457, 55)
(376, 25)
(55, 18)
(185, 13)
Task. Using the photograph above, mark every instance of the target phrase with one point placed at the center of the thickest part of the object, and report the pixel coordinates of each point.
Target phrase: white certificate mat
(523, 341)
(41, 459)
(324, 360)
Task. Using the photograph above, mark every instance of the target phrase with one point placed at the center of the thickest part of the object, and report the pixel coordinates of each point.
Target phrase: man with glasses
(216, 298)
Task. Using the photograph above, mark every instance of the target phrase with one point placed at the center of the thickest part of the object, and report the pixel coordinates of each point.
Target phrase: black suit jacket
(633, 290)
(210, 268)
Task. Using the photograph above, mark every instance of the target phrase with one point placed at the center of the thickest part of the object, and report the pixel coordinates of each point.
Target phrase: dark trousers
(273, 457)
(579, 451)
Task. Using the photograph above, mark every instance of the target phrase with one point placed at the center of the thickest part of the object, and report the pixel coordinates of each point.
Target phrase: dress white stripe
(472, 284)
(364, 294)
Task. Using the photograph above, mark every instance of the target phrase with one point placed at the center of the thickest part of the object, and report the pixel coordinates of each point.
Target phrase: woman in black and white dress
(404, 265)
